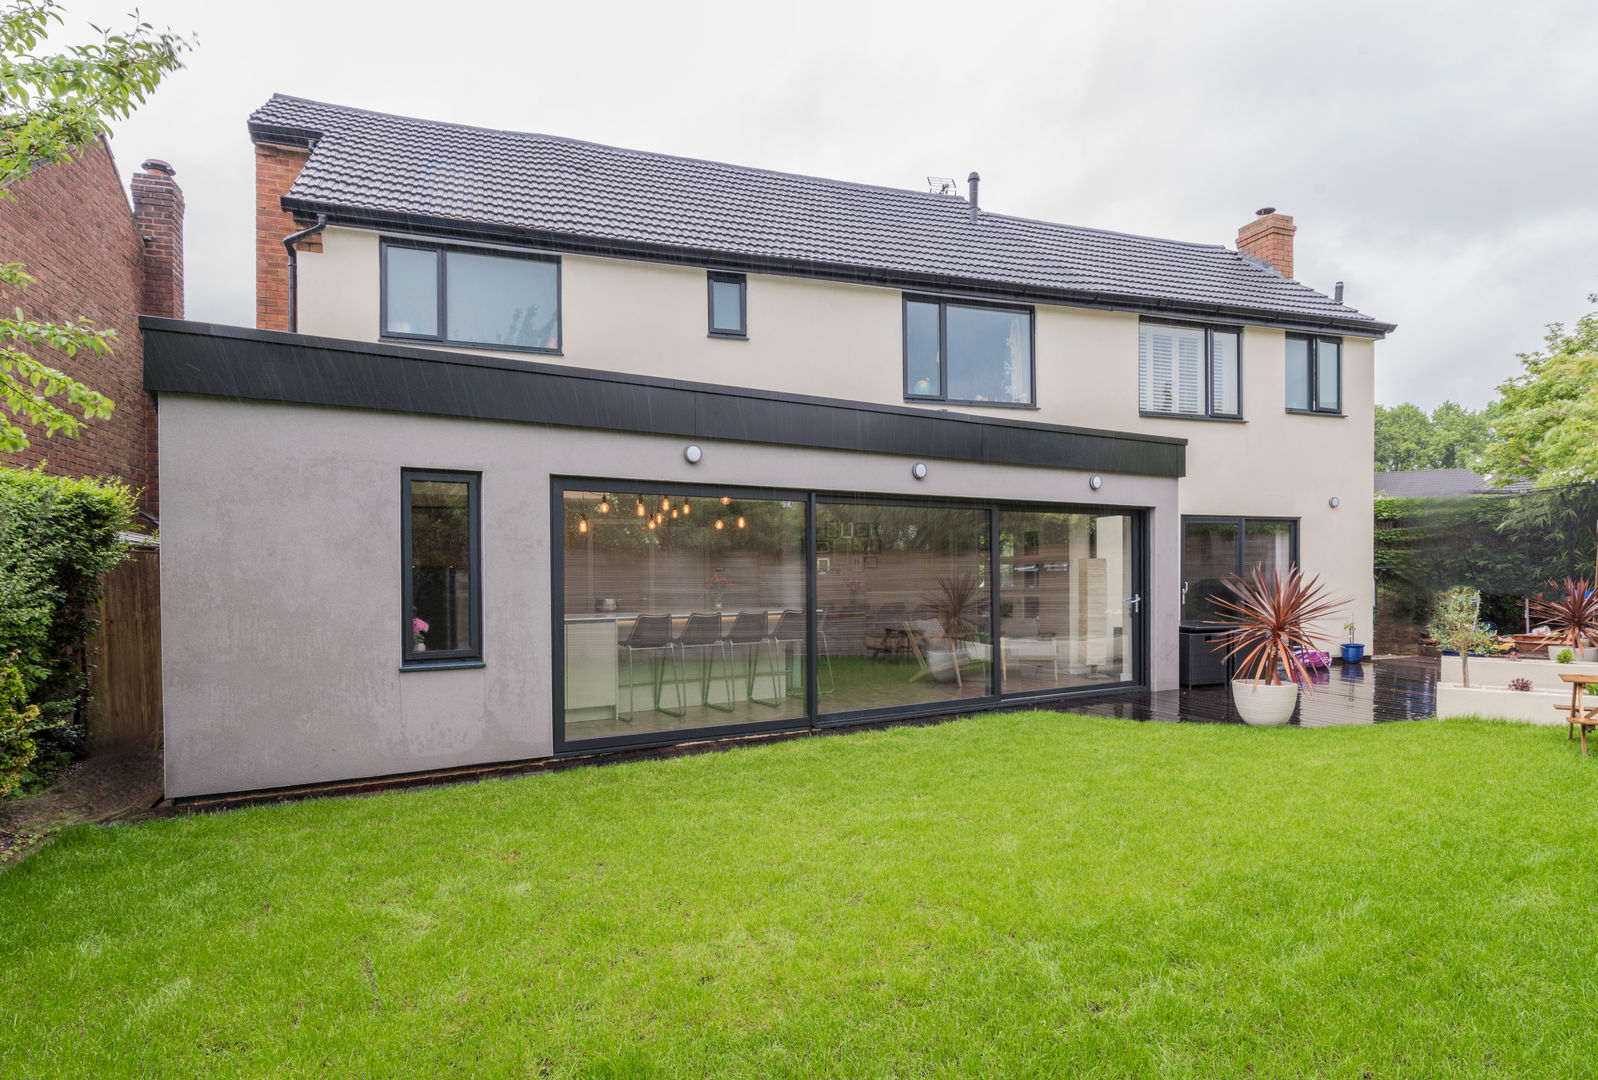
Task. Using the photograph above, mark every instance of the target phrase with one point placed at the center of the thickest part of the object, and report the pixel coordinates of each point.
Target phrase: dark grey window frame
(1242, 523)
(1315, 342)
(442, 337)
(433, 659)
(1210, 330)
(712, 277)
(943, 302)
(814, 717)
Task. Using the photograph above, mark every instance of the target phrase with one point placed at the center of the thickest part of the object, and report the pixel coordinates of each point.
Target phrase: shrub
(18, 722)
(1455, 625)
(1520, 684)
(1565, 656)
(58, 536)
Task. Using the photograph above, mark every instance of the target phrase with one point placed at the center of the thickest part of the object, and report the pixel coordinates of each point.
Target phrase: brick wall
(1269, 238)
(72, 228)
(275, 170)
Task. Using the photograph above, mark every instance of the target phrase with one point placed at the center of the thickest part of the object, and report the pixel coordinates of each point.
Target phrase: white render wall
(281, 574)
(846, 341)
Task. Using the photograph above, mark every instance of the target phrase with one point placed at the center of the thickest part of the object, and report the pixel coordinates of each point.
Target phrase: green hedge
(58, 537)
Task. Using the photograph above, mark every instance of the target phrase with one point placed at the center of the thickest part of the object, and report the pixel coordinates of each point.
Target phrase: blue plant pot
(1353, 654)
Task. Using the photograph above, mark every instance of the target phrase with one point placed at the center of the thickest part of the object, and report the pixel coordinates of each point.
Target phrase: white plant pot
(1262, 705)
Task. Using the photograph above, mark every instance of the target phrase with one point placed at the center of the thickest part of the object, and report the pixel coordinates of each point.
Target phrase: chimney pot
(1265, 211)
(974, 180)
(156, 165)
(1337, 292)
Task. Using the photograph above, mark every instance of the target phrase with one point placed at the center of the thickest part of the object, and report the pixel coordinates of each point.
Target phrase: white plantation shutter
(1170, 369)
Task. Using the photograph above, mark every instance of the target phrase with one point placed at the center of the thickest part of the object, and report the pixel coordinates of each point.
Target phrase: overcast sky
(1438, 157)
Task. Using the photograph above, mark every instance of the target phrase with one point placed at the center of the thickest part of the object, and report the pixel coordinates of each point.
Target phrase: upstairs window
(1314, 375)
(729, 308)
(967, 353)
(469, 297)
(1189, 371)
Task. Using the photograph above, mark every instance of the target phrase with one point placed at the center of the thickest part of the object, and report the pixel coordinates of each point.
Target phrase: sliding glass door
(688, 611)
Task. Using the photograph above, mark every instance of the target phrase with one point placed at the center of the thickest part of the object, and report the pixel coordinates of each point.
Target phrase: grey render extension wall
(281, 564)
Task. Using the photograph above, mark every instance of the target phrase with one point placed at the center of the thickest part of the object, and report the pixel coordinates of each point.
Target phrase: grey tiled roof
(377, 164)
(1442, 483)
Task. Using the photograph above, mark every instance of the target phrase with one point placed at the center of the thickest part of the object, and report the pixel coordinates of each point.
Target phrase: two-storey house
(543, 447)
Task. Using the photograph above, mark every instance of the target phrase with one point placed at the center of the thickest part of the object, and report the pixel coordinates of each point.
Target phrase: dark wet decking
(1377, 691)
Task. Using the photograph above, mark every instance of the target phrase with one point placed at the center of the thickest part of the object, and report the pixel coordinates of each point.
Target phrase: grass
(1010, 895)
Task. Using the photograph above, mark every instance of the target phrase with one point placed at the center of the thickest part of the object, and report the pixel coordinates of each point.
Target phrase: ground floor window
(693, 609)
(1213, 548)
(442, 603)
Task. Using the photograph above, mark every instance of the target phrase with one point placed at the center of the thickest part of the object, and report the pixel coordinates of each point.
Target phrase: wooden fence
(125, 680)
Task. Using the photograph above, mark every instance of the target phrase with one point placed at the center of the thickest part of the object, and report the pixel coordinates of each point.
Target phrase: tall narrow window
(967, 353)
(441, 547)
(1189, 371)
(729, 308)
(463, 296)
(1314, 374)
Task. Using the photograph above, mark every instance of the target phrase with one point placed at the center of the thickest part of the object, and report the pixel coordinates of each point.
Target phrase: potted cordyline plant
(1270, 637)
(1572, 612)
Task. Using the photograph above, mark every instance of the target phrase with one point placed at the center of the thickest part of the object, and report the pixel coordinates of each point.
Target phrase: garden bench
(1580, 715)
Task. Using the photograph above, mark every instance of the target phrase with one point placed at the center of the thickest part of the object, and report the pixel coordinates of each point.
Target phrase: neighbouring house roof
(387, 171)
(1442, 483)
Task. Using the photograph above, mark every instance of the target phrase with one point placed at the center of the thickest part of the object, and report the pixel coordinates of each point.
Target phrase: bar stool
(704, 632)
(791, 630)
(749, 628)
(651, 634)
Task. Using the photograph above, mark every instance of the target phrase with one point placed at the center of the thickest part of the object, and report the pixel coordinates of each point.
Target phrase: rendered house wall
(841, 340)
(281, 578)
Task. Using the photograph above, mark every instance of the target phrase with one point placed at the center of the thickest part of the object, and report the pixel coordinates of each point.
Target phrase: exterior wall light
(1095, 482)
(1334, 502)
(691, 453)
(919, 470)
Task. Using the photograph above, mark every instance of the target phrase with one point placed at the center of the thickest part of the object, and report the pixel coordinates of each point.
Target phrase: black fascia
(267, 365)
(423, 225)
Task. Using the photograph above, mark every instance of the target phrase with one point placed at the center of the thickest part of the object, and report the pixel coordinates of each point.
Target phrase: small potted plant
(716, 585)
(1353, 651)
(1269, 636)
(418, 632)
(1572, 612)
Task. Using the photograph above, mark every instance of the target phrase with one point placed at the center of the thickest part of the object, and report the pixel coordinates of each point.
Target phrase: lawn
(1010, 895)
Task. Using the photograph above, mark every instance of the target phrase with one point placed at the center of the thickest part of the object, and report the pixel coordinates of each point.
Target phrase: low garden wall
(1494, 672)
(1500, 703)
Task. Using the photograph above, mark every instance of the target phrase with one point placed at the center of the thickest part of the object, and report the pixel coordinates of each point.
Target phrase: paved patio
(1377, 691)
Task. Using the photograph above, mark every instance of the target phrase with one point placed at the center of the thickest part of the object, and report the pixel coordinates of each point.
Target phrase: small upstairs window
(729, 307)
(1314, 375)
(971, 354)
(463, 296)
(1189, 371)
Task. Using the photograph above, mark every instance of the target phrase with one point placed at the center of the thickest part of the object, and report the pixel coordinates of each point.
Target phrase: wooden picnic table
(1581, 715)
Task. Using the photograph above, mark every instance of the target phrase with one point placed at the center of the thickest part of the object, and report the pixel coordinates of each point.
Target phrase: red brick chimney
(276, 168)
(1269, 238)
(158, 214)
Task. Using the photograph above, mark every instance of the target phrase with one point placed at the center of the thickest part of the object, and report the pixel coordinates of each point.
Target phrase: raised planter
(1494, 672)
(1530, 706)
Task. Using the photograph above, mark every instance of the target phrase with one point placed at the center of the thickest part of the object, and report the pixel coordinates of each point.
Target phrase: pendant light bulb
(582, 525)
(640, 509)
(720, 524)
(604, 506)
(651, 523)
(726, 500)
(686, 509)
(740, 523)
(674, 514)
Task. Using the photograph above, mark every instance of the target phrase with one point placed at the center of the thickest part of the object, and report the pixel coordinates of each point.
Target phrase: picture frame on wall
(823, 565)
(848, 529)
(823, 547)
(871, 562)
(862, 529)
(834, 529)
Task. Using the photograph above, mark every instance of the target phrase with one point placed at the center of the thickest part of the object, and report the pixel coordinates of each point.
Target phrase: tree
(1455, 625)
(1546, 427)
(1452, 437)
(51, 105)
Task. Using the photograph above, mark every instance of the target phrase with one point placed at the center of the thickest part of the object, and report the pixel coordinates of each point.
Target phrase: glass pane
(1297, 373)
(1328, 374)
(681, 612)
(412, 298)
(990, 354)
(499, 301)
(1064, 580)
(921, 353)
(906, 597)
(726, 307)
(1209, 557)
(1171, 369)
(1267, 545)
(1223, 374)
(441, 565)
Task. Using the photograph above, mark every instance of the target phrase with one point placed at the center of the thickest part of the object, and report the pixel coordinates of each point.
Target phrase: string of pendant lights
(667, 512)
